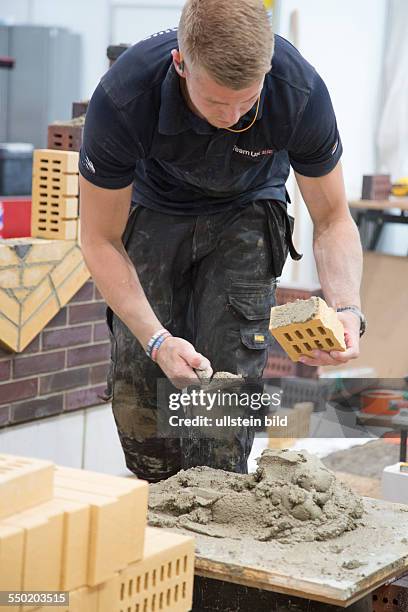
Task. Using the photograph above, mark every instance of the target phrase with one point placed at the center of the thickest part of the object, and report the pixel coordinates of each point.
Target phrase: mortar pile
(292, 497)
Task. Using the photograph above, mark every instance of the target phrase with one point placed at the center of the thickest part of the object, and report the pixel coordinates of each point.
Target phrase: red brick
(5, 369)
(88, 354)
(82, 398)
(4, 352)
(38, 364)
(68, 379)
(85, 294)
(101, 332)
(81, 313)
(69, 336)
(59, 320)
(97, 294)
(34, 346)
(19, 390)
(99, 373)
(4, 415)
(35, 409)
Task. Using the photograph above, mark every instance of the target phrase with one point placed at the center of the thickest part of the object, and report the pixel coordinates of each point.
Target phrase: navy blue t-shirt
(139, 129)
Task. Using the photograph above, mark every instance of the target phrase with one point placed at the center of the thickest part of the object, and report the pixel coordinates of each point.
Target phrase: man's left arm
(338, 254)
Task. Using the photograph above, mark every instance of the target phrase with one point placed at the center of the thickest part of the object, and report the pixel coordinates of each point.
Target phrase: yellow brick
(132, 494)
(60, 273)
(37, 322)
(9, 307)
(36, 299)
(62, 230)
(43, 536)
(49, 184)
(105, 532)
(47, 251)
(74, 282)
(21, 294)
(24, 483)
(324, 331)
(33, 275)
(80, 600)
(8, 257)
(9, 333)
(11, 559)
(9, 278)
(46, 212)
(48, 159)
(74, 566)
(162, 580)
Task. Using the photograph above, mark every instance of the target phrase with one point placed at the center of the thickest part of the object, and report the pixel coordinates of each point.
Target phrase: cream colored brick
(61, 230)
(74, 563)
(70, 286)
(9, 332)
(80, 600)
(43, 539)
(66, 266)
(324, 332)
(106, 529)
(11, 558)
(162, 580)
(54, 185)
(24, 483)
(9, 307)
(131, 493)
(50, 160)
(47, 250)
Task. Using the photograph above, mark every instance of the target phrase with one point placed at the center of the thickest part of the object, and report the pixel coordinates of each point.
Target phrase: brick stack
(85, 532)
(279, 364)
(55, 196)
(65, 366)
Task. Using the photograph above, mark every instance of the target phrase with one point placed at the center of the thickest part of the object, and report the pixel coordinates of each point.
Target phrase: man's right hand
(178, 359)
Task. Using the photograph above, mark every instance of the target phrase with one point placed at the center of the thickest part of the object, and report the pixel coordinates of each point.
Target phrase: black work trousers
(210, 279)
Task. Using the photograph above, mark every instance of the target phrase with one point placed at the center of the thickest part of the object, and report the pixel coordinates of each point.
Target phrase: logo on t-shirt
(89, 165)
(248, 153)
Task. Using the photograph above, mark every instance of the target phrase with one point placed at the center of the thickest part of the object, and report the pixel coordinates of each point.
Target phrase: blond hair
(231, 39)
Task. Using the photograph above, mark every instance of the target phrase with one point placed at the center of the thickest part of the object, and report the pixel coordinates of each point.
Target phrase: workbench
(372, 215)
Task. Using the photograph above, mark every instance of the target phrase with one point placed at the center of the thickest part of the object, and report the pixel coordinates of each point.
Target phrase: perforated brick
(131, 493)
(323, 331)
(24, 483)
(163, 580)
(11, 558)
(55, 207)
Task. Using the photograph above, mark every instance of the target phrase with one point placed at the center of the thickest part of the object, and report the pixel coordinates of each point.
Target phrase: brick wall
(63, 369)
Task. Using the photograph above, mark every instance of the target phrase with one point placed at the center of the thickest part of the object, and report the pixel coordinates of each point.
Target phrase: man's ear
(178, 62)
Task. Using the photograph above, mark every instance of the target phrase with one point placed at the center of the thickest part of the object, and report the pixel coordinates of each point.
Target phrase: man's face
(218, 105)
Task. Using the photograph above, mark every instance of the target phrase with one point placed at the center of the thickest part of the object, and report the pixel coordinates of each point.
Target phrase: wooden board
(301, 569)
(400, 203)
(384, 297)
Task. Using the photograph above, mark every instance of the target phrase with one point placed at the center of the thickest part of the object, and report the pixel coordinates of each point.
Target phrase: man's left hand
(351, 325)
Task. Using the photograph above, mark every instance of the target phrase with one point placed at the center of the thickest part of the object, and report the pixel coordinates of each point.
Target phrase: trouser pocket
(281, 226)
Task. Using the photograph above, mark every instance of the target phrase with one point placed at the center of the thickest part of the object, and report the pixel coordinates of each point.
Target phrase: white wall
(344, 41)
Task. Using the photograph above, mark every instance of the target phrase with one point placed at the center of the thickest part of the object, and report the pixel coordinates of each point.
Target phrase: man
(198, 129)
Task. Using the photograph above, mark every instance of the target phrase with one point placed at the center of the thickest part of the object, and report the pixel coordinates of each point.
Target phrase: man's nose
(232, 116)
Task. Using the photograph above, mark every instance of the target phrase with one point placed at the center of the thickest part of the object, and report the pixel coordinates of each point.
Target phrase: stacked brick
(55, 195)
(63, 529)
(279, 365)
(65, 366)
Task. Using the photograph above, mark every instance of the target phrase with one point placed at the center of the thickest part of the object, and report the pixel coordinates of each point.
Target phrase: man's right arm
(104, 213)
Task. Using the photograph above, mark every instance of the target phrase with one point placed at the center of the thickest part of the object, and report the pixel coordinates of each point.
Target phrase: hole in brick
(185, 563)
(138, 584)
(162, 573)
(329, 342)
(288, 337)
(168, 597)
(129, 609)
(122, 591)
(318, 344)
(146, 580)
(184, 590)
(395, 602)
(298, 334)
(310, 332)
(154, 602)
(161, 597)
(307, 346)
(130, 589)
(375, 597)
(297, 349)
(169, 570)
(176, 593)
(322, 331)
(178, 567)
(385, 599)
(145, 605)
(154, 576)
(137, 608)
